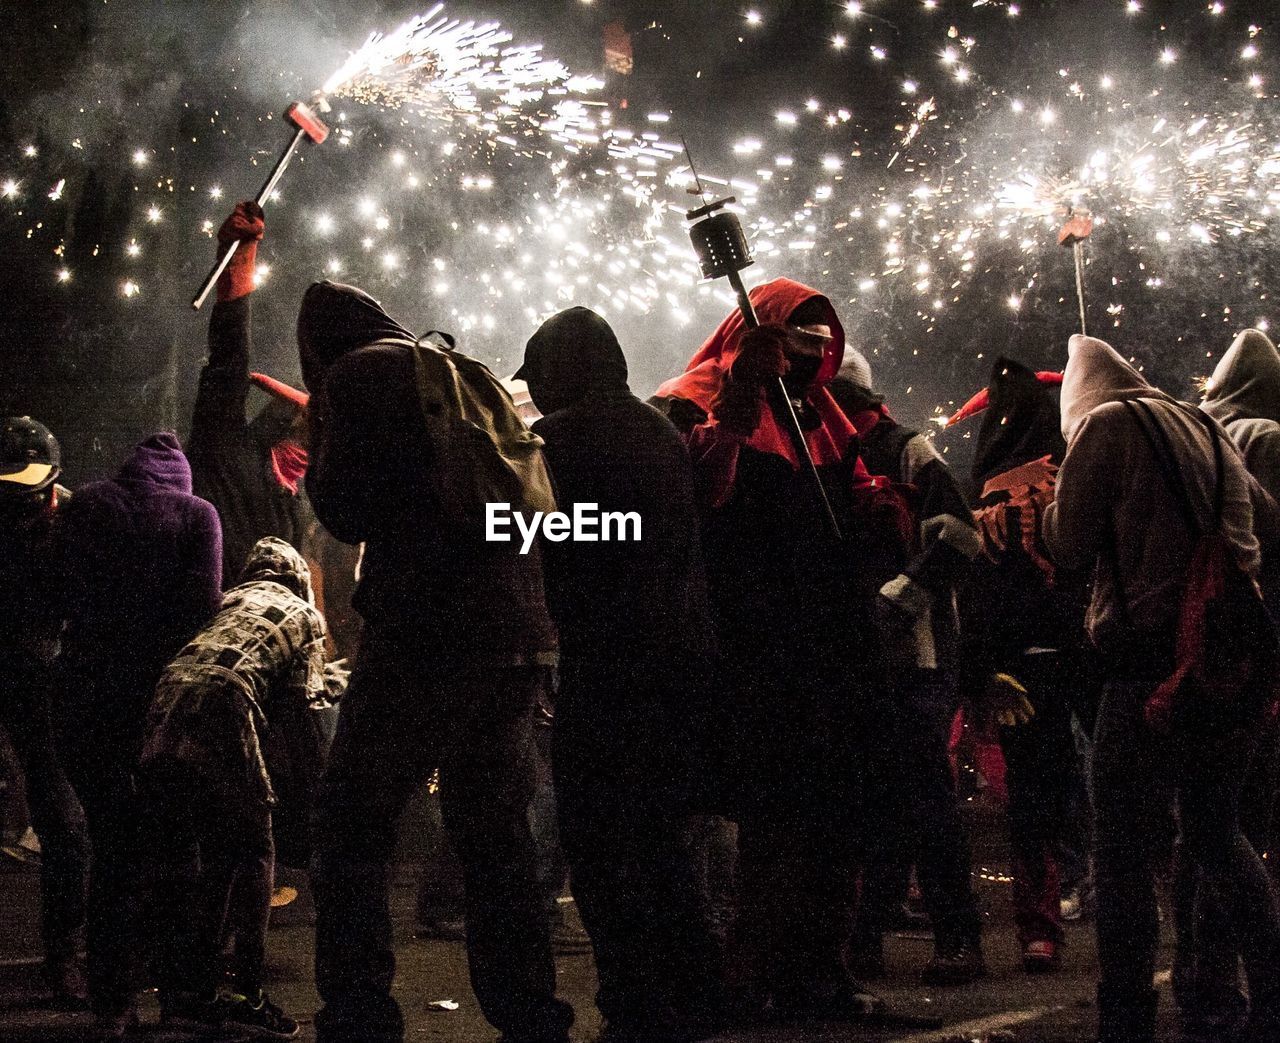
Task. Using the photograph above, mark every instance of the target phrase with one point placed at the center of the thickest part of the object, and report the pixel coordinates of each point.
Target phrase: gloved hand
(761, 360)
(1006, 701)
(245, 225)
(762, 356)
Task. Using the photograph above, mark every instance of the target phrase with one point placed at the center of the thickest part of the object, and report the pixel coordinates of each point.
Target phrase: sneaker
(1040, 957)
(955, 965)
(260, 1017)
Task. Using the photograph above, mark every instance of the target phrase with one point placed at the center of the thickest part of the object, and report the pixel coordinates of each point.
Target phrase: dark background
(199, 87)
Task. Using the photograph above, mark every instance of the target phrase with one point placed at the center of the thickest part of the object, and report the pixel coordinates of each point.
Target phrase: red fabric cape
(706, 372)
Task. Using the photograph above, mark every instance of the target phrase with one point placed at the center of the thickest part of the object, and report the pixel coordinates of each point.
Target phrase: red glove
(245, 226)
(762, 356)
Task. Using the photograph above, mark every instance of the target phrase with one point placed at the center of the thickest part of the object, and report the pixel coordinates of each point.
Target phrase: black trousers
(1040, 756)
(117, 879)
(914, 813)
(796, 752)
(1206, 969)
(212, 886)
(622, 792)
(401, 718)
(56, 814)
(1138, 777)
(101, 715)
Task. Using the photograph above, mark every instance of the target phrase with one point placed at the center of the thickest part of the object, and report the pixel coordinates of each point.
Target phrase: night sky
(912, 159)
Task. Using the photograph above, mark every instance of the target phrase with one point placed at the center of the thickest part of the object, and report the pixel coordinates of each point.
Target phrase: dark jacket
(29, 604)
(633, 620)
(636, 605)
(947, 541)
(231, 455)
(792, 605)
(142, 562)
(790, 602)
(1018, 599)
(454, 596)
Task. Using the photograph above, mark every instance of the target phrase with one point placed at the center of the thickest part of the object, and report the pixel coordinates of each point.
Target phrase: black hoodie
(451, 595)
(629, 603)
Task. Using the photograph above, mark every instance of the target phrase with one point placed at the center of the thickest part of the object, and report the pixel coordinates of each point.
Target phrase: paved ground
(1055, 1009)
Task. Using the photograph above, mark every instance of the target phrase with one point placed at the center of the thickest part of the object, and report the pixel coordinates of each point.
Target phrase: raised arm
(224, 382)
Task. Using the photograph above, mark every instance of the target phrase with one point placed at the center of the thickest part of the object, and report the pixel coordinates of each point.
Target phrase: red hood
(774, 303)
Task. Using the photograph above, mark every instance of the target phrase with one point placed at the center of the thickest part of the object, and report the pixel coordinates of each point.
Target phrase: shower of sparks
(558, 198)
(453, 69)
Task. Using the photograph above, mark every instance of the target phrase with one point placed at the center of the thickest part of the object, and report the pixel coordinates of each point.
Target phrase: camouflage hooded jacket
(244, 686)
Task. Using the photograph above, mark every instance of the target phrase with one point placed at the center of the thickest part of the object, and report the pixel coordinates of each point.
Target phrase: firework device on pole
(1078, 228)
(723, 251)
(307, 125)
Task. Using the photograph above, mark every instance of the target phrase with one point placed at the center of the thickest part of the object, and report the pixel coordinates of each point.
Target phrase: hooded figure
(1243, 395)
(455, 647)
(1098, 487)
(691, 398)
(634, 636)
(30, 622)
(335, 320)
(1019, 449)
(257, 738)
(249, 469)
(1117, 511)
(793, 610)
(228, 739)
(1023, 620)
(261, 656)
(913, 787)
(142, 560)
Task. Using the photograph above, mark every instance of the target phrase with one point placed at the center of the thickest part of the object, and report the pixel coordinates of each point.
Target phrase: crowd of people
(752, 707)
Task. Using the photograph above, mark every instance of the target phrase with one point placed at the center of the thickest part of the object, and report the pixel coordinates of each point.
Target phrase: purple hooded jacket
(142, 566)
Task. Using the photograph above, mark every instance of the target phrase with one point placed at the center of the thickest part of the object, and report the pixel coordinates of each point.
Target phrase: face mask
(805, 351)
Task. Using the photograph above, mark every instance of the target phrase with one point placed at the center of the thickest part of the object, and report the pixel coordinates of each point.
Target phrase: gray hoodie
(1244, 396)
(1114, 510)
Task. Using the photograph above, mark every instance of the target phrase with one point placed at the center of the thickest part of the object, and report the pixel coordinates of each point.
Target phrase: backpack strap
(1167, 461)
(1220, 487)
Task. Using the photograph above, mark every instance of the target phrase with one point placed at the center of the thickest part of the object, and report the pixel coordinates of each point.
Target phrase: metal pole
(268, 187)
(1077, 249)
(792, 424)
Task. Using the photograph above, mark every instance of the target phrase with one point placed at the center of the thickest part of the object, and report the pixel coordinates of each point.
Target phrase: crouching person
(243, 688)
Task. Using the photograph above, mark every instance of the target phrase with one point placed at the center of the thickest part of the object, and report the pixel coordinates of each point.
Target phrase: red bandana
(288, 464)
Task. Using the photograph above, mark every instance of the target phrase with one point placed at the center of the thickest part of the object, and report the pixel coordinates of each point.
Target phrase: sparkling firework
(487, 186)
